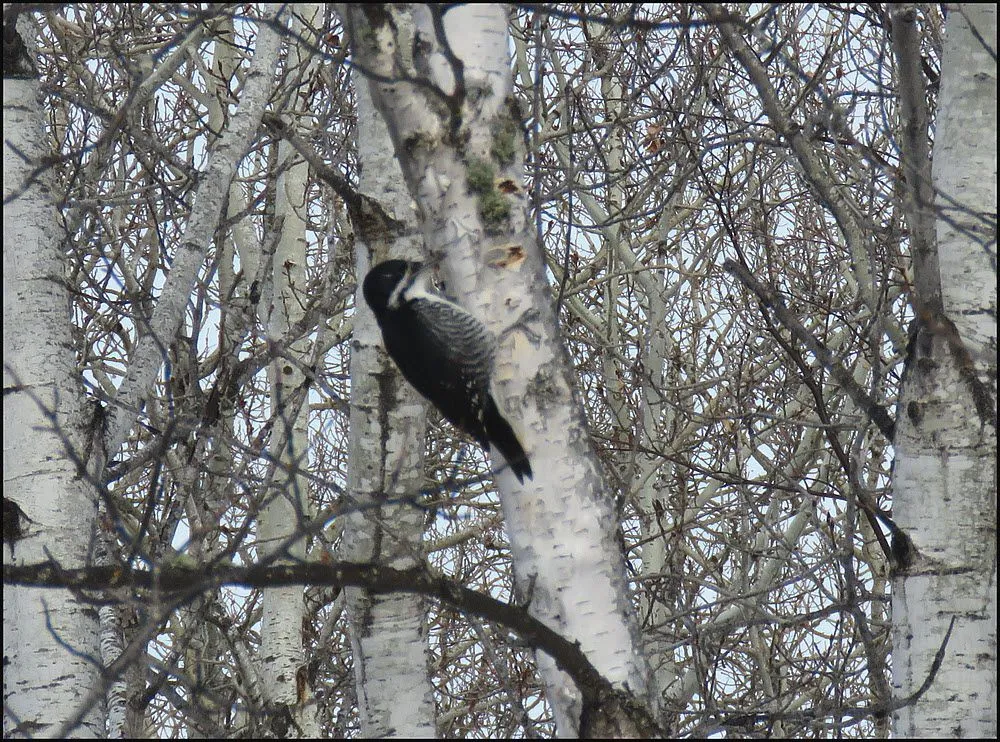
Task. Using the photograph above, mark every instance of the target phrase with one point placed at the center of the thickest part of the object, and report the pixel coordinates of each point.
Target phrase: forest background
(741, 265)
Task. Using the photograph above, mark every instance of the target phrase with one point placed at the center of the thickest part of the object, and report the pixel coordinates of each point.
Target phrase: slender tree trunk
(51, 683)
(388, 632)
(286, 508)
(946, 440)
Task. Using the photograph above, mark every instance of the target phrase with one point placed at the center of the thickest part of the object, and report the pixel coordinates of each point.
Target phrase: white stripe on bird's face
(417, 283)
(396, 296)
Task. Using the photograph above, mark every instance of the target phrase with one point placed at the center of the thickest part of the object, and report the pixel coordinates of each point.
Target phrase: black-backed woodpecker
(444, 352)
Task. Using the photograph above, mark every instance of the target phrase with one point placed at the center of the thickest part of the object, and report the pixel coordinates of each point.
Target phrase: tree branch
(876, 412)
(600, 698)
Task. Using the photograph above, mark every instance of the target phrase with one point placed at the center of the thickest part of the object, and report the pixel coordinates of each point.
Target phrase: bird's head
(385, 283)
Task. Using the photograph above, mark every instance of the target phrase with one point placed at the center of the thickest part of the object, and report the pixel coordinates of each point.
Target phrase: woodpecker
(444, 352)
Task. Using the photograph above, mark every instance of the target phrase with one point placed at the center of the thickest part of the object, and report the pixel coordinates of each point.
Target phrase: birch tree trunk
(386, 462)
(286, 506)
(50, 637)
(946, 440)
(443, 82)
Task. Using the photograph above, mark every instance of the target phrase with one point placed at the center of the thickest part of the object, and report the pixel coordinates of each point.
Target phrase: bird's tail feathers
(502, 435)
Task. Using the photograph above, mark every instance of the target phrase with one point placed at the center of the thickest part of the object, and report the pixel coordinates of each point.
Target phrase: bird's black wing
(447, 355)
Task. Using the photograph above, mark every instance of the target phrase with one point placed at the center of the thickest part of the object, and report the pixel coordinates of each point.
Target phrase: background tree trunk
(946, 432)
(386, 468)
(51, 684)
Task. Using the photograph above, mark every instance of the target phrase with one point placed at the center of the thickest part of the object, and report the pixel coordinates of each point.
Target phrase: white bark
(287, 505)
(388, 632)
(946, 445)
(568, 565)
(50, 638)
